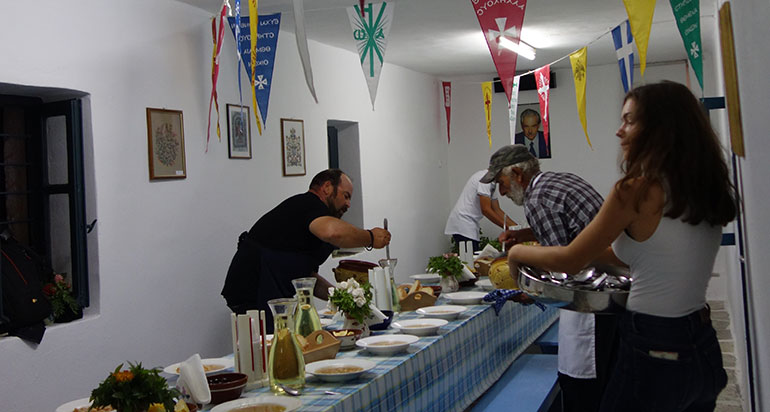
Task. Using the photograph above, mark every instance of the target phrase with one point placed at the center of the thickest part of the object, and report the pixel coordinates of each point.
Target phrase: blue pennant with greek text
(266, 46)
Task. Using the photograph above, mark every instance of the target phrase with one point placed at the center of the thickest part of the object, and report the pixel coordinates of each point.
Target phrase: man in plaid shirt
(557, 207)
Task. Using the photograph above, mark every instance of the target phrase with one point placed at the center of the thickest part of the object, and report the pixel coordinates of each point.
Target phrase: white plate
(465, 298)
(420, 327)
(448, 312)
(426, 278)
(287, 402)
(485, 284)
(314, 367)
(70, 406)
(386, 344)
(220, 363)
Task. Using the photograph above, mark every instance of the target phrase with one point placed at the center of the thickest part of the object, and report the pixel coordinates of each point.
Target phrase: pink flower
(58, 278)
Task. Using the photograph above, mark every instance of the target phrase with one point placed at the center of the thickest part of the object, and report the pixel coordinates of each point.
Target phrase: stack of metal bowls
(595, 289)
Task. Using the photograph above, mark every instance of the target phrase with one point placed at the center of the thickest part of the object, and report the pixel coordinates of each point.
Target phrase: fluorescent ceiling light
(522, 49)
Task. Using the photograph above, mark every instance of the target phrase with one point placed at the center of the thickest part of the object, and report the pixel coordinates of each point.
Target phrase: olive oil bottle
(286, 365)
(306, 318)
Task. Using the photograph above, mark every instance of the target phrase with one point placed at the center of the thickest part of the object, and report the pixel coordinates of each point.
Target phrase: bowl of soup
(387, 344)
(339, 370)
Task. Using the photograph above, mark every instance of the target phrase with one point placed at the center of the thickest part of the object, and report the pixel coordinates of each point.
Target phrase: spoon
(290, 391)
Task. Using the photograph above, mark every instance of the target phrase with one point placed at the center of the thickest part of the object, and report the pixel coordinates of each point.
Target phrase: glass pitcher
(286, 365)
(306, 318)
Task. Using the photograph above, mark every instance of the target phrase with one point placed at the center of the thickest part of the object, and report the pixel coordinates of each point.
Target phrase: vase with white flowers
(353, 300)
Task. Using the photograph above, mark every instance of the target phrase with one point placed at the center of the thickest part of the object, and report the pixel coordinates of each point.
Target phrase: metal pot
(555, 289)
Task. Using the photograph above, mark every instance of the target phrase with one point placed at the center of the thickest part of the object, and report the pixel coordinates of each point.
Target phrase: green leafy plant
(134, 390)
(59, 293)
(492, 242)
(352, 299)
(448, 264)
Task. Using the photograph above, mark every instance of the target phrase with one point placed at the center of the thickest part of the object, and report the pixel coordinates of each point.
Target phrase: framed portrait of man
(529, 131)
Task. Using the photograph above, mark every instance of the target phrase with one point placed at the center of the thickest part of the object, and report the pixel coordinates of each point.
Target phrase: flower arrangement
(59, 293)
(352, 299)
(133, 390)
(448, 264)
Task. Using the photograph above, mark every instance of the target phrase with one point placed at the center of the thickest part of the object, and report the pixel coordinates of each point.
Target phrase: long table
(446, 372)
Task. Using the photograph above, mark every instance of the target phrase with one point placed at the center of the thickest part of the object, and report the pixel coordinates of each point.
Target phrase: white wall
(752, 51)
(164, 246)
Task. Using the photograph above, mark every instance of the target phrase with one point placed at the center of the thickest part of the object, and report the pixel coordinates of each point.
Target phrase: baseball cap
(505, 156)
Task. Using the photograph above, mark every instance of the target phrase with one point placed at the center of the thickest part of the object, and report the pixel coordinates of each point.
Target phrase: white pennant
(371, 36)
(512, 106)
(304, 54)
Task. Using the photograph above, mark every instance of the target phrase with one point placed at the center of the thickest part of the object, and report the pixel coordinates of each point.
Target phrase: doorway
(344, 154)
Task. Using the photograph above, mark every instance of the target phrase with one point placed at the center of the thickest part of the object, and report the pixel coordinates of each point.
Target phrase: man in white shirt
(476, 201)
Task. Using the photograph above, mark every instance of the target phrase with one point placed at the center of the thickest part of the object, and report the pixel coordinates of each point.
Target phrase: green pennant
(687, 16)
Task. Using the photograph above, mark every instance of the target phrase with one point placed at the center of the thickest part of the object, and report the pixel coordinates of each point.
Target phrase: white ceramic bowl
(210, 366)
(321, 370)
(420, 327)
(485, 284)
(386, 344)
(427, 278)
(465, 298)
(289, 403)
(447, 312)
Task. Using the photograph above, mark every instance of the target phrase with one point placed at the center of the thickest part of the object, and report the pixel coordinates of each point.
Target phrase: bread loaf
(500, 274)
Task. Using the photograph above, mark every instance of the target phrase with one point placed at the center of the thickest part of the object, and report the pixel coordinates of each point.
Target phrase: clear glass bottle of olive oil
(286, 364)
(306, 318)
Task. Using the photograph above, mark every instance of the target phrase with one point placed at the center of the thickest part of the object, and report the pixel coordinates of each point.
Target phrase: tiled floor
(730, 398)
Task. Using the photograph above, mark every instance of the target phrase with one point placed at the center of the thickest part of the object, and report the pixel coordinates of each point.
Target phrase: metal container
(542, 286)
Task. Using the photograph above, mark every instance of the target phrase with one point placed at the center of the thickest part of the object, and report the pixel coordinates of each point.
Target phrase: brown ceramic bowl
(226, 386)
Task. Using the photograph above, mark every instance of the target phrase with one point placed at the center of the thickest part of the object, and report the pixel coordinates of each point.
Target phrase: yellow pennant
(640, 17)
(253, 23)
(579, 69)
(486, 88)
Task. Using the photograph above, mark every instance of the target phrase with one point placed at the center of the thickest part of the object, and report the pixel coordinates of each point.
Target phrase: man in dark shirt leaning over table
(291, 241)
(557, 207)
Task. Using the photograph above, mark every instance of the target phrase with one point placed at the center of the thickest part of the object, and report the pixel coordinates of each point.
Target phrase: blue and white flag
(621, 36)
(266, 46)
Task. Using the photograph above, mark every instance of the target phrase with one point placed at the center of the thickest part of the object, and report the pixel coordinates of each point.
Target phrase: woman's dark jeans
(666, 364)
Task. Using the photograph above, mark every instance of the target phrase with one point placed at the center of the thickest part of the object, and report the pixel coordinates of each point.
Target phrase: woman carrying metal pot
(664, 220)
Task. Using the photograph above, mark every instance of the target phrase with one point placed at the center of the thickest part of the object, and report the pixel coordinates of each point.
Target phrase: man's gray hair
(528, 167)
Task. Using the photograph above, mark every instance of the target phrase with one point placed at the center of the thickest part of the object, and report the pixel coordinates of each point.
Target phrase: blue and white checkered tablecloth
(446, 372)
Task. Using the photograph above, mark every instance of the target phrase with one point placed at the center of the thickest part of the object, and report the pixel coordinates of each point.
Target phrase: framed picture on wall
(238, 131)
(529, 130)
(293, 147)
(165, 144)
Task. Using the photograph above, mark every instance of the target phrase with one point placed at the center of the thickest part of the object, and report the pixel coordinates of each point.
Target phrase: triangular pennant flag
(687, 16)
(543, 81)
(512, 105)
(501, 22)
(371, 36)
(218, 36)
(640, 17)
(253, 37)
(239, 47)
(486, 88)
(447, 87)
(579, 69)
(268, 44)
(304, 53)
(624, 48)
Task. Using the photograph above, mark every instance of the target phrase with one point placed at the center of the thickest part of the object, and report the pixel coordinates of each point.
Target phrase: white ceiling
(443, 37)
